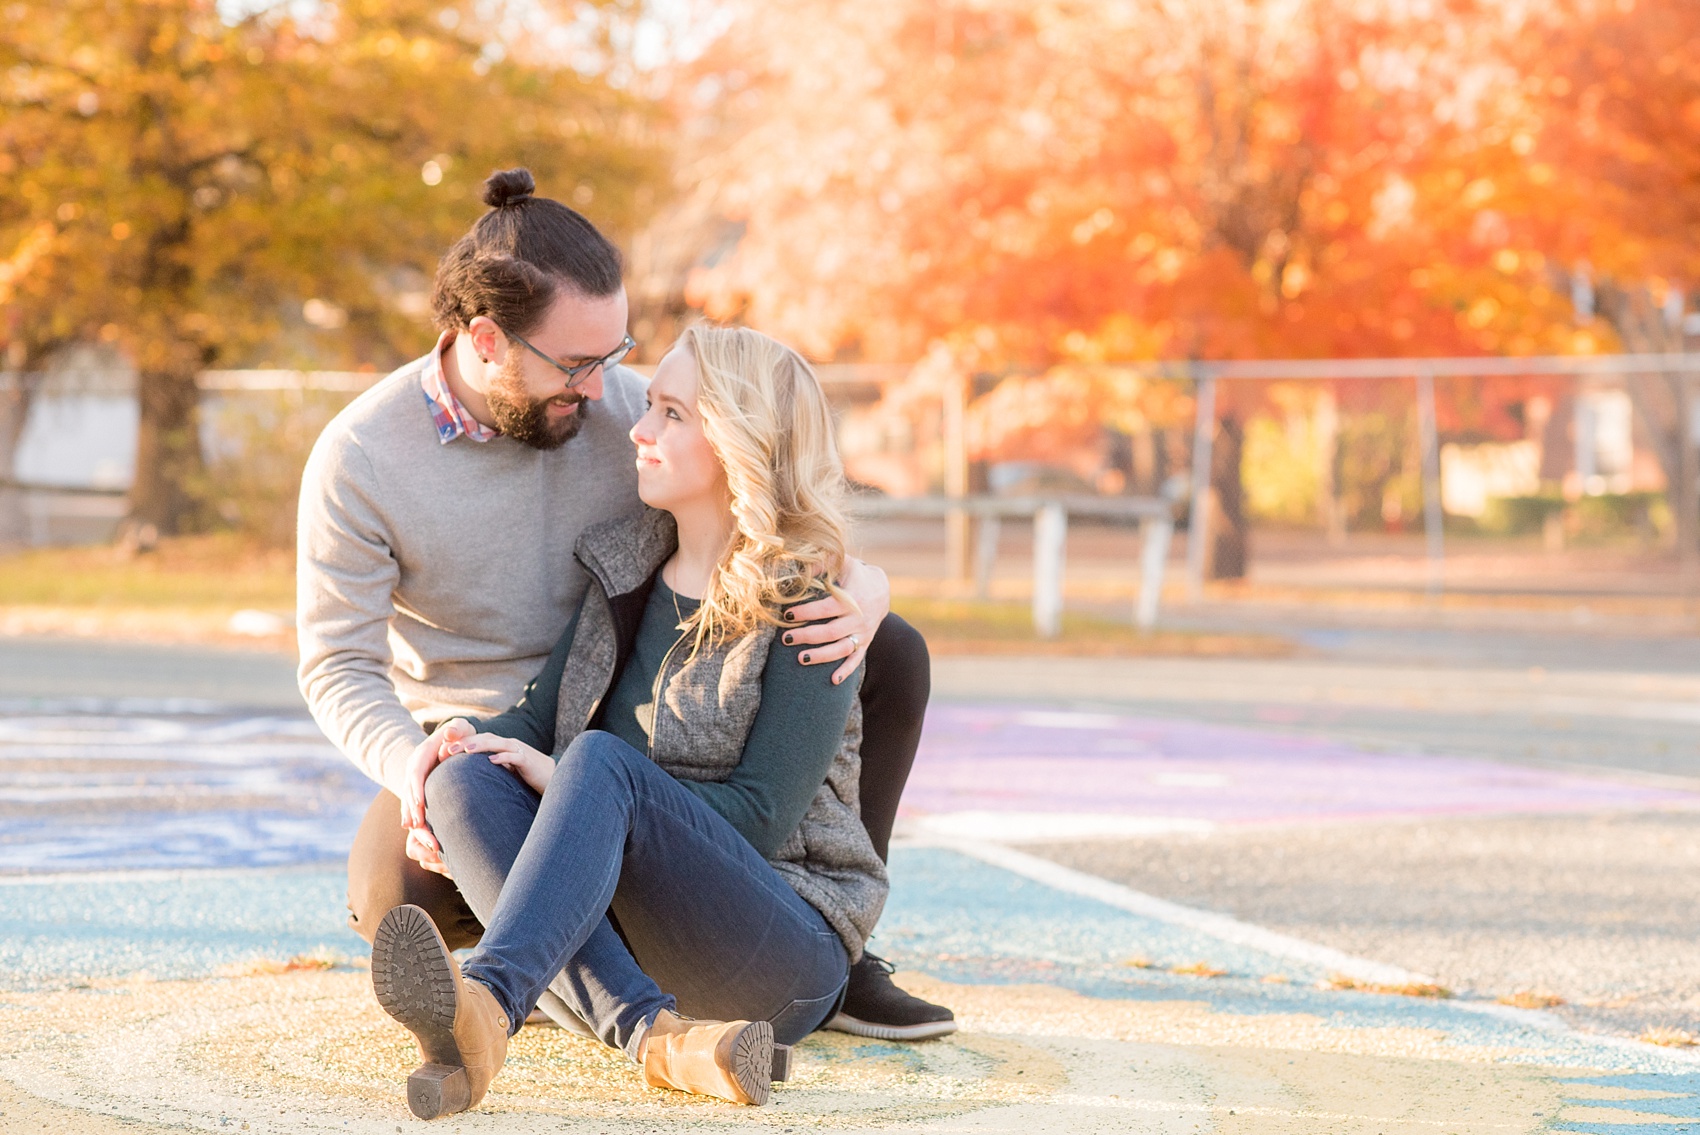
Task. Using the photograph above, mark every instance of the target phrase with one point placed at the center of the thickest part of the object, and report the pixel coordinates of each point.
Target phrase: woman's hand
(847, 632)
(517, 757)
(430, 753)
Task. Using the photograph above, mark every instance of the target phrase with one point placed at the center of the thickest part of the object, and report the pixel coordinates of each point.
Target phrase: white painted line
(1221, 926)
(1230, 929)
(162, 874)
(1542, 1021)
(189, 707)
(1050, 827)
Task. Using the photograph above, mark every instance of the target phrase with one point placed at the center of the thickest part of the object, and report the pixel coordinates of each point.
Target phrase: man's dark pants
(894, 701)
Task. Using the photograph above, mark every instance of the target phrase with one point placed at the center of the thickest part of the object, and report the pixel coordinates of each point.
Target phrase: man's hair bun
(508, 187)
(515, 261)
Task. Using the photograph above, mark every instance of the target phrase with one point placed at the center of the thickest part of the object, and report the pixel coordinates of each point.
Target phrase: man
(435, 553)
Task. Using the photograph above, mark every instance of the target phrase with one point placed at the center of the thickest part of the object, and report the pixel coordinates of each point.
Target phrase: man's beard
(526, 419)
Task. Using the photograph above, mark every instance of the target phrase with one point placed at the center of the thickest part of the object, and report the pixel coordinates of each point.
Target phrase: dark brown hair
(518, 256)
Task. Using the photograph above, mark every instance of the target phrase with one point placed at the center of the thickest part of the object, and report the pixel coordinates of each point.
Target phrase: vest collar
(623, 555)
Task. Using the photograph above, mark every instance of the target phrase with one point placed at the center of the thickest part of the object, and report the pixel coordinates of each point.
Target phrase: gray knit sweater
(433, 579)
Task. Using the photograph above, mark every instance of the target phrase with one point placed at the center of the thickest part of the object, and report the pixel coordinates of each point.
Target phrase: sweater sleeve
(797, 732)
(345, 580)
(532, 718)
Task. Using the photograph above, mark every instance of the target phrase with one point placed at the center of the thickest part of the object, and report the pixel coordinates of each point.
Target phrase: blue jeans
(700, 913)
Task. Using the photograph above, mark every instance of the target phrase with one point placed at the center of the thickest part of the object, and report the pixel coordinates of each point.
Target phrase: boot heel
(438, 1089)
(781, 1063)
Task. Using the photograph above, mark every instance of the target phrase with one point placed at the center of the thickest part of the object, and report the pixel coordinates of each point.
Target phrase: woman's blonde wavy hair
(766, 417)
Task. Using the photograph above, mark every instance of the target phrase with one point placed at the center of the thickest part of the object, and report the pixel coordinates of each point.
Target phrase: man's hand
(430, 753)
(423, 849)
(848, 632)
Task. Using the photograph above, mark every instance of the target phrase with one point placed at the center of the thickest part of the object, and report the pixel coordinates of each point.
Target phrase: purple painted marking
(981, 758)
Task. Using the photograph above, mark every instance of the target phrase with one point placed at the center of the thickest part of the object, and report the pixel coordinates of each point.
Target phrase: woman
(699, 831)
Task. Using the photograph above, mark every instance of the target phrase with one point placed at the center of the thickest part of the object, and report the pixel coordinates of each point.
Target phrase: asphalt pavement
(1145, 884)
(1598, 910)
(37, 672)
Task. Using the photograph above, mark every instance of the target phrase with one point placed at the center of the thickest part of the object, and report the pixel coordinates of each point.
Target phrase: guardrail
(43, 504)
(1154, 515)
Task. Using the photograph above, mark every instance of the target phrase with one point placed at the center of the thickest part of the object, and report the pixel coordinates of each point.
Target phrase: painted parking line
(1220, 926)
(1311, 956)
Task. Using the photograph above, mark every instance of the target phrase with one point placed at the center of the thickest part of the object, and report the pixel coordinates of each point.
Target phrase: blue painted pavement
(950, 916)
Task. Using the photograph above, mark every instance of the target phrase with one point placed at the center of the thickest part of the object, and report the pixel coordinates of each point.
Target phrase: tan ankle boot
(730, 1060)
(462, 1032)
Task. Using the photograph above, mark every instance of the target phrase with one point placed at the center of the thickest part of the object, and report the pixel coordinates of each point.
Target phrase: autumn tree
(1044, 185)
(1615, 87)
(185, 185)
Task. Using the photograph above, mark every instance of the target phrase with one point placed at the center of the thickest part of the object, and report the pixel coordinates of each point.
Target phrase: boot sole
(751, 1061)
(926, 1030)
(413, 977)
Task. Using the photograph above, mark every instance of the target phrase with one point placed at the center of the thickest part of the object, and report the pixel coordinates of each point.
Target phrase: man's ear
(487, 339)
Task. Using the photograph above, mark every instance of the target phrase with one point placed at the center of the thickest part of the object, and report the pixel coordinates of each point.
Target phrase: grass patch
(223, 571)
(969, 626)
(187, 588)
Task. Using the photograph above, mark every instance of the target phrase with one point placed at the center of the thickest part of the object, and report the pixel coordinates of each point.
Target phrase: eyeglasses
(576, 374)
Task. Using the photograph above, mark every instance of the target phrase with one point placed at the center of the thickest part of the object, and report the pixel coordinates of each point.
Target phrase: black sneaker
(874, 1006)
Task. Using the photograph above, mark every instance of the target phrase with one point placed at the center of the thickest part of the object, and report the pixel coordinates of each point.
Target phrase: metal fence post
(1050, 537)
(1154, 536)
(36, 509)
(1198, 521)
(1432, 518)
(986, 552)
(956, 523)
(1685, 497)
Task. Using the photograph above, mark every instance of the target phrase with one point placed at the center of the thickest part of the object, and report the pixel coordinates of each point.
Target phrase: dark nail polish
(788, 638)
(805, 659)
(790, 616)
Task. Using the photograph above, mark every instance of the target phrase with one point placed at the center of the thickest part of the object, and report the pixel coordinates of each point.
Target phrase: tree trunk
(15, 390)
(1230, 550)
(168, 453)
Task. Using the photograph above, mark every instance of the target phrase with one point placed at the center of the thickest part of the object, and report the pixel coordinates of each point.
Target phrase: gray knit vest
(703, 717)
